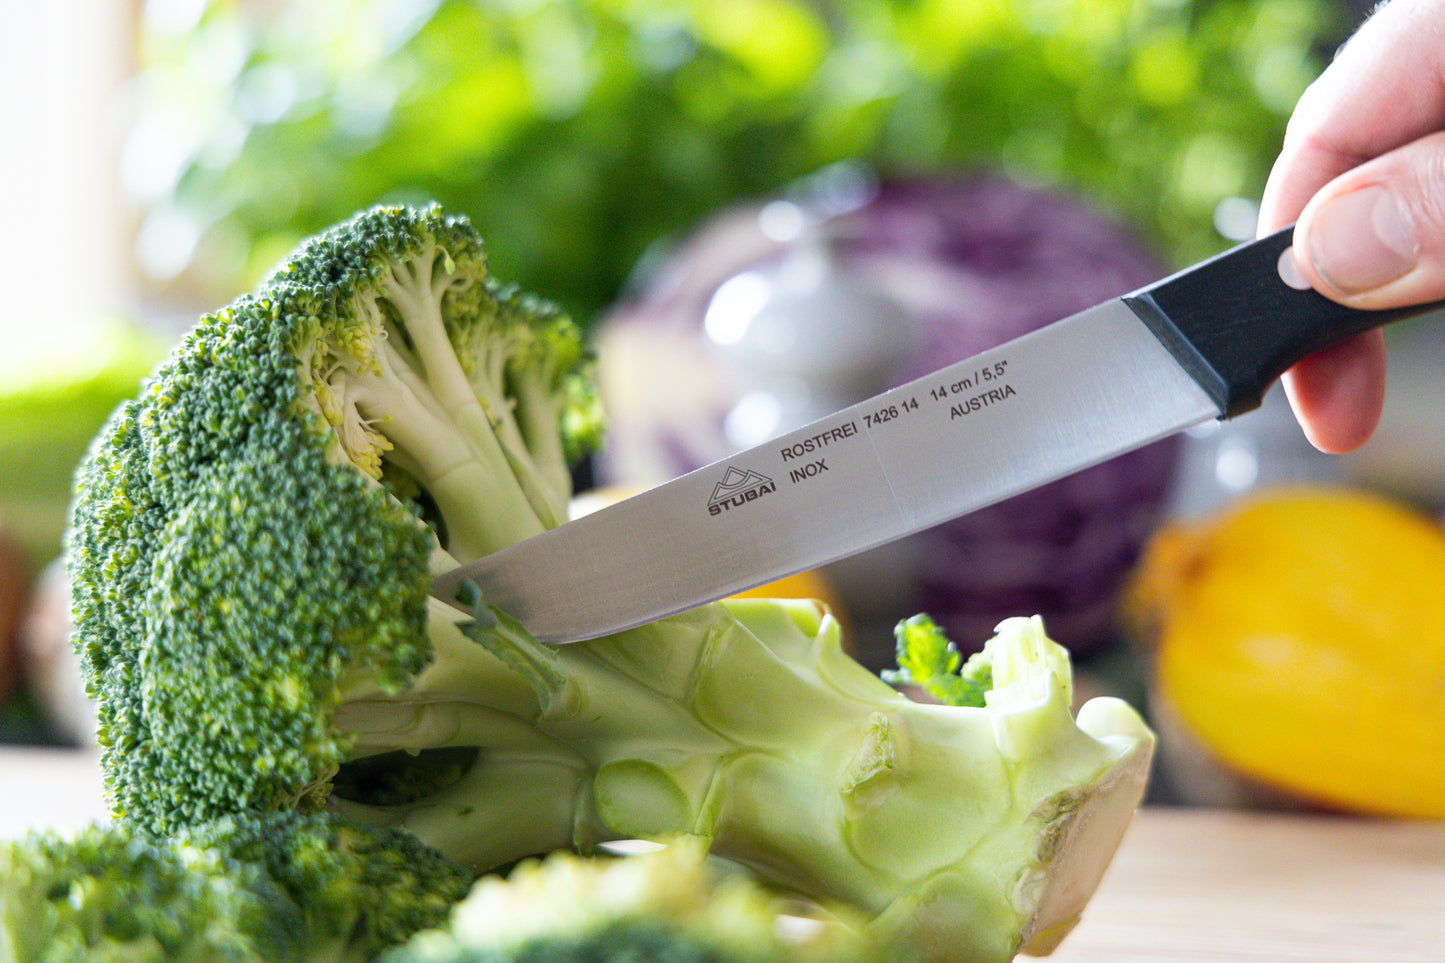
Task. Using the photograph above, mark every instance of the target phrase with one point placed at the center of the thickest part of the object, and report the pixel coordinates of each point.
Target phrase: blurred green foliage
(576, 134)
(58, 386)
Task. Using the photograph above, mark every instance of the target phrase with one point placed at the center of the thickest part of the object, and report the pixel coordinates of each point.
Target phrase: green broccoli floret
(930, 660)
(272, 889)
(364, 889)
(253, 542)
(669, 906)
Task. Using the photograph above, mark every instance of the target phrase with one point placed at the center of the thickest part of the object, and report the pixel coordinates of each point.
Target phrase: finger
(1338, 393)
(1384, 89)
(1374, 237)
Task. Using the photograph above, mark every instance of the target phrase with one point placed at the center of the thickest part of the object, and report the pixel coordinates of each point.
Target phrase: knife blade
(1202, 344)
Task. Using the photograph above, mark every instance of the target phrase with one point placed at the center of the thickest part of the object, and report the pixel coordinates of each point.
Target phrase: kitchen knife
(1205, 343)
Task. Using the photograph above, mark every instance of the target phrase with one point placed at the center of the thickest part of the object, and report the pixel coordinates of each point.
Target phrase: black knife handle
(1236, 326)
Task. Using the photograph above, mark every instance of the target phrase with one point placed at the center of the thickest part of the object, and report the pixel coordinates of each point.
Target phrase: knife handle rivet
(1289, 271)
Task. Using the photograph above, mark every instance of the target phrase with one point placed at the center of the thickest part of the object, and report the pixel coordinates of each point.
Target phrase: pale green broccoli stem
(548, 493)
(417, 289)
(600, 753)
(522, 771)
(942, 821)
(538, 414)
(507, 402)
(453, 464)
(415, 407)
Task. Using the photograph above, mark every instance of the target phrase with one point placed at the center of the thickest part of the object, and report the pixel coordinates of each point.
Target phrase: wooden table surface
(1187, 886)
(1191, 885)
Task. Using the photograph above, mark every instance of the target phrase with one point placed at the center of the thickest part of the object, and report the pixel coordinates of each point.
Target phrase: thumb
(1375, 236)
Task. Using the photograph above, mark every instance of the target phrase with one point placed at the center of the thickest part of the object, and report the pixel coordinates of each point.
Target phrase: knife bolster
(1236, 325)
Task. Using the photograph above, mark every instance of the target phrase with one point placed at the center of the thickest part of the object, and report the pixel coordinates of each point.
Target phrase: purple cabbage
(969, 262)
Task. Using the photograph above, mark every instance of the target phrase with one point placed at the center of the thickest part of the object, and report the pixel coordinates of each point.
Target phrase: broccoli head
(263, 520)
(253, 542)
(283, 888)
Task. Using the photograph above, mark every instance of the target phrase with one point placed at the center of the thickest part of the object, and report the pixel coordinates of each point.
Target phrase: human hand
(1362, 175)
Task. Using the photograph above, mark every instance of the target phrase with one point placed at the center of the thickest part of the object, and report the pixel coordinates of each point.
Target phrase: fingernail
(1361, 240)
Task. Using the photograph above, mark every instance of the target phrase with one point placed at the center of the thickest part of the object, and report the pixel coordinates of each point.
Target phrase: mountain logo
(737, 488)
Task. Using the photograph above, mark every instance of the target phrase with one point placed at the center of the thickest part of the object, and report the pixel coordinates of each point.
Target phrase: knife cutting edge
(1202, 344)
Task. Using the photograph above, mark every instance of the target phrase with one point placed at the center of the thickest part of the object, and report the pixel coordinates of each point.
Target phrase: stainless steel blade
(1043, 406)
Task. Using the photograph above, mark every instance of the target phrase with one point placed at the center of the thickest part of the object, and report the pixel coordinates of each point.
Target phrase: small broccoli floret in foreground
(278, 889)
(253, 544)
(669, 905)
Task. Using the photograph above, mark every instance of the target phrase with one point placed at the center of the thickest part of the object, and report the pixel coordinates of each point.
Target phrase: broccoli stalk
(252, 548)
(745, 724)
